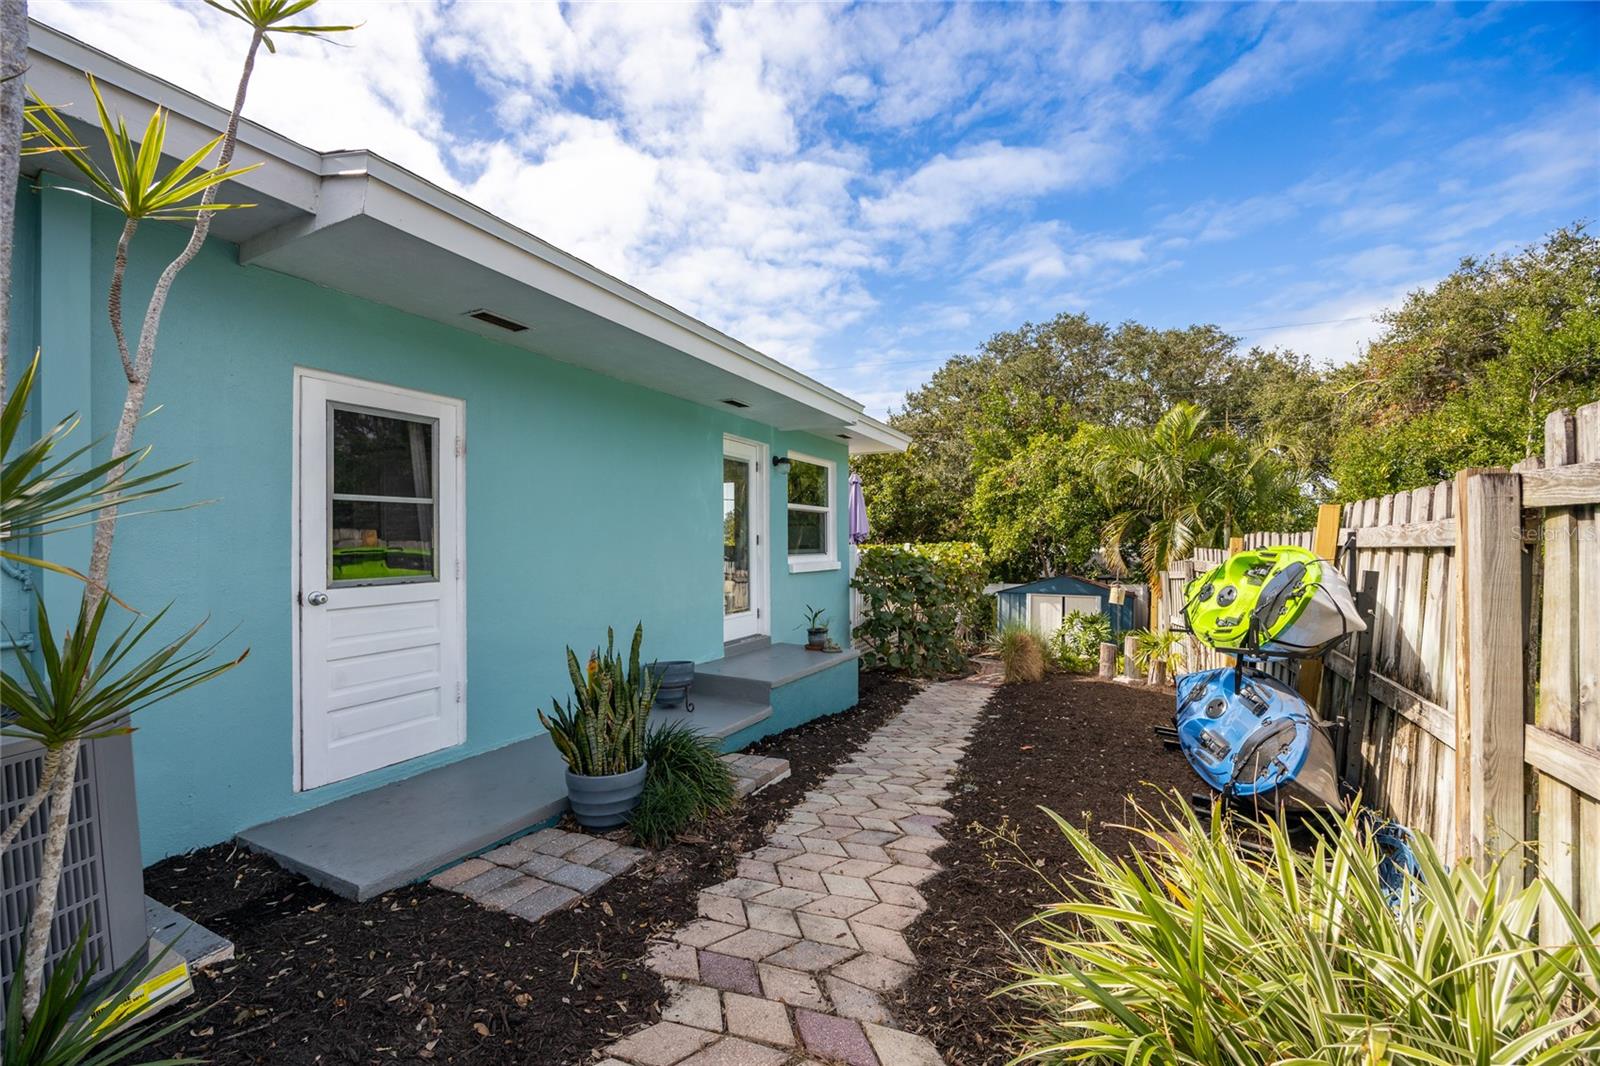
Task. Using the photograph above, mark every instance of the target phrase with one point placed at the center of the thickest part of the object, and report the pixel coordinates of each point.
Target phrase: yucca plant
(1158, 653)
(139, 187)
(41, 493)
(1197, 950)
(604, 733)
(76, 1024)
(82, 691)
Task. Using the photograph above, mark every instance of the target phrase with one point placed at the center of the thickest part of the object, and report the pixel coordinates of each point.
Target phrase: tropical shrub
(1075, 646)
(1198, 950)
(1153, 648)
(1021, 655)
(605, 732)
(84, 1022)
(686, 783)
(922, 605)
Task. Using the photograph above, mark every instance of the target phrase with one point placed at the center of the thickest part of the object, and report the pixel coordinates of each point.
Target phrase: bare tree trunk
(62, 776)
(13, 61)
(46, 779)
(138, 372)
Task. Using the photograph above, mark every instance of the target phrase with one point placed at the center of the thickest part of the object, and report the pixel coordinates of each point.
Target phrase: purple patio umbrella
(859, 530)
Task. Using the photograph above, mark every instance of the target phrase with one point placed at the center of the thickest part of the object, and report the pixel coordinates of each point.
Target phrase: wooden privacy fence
(1472, 702)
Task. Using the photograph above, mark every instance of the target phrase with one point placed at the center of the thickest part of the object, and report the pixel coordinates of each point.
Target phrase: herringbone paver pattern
(790, 957)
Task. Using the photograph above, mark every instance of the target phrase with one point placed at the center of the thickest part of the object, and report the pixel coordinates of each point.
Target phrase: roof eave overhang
(311, 200)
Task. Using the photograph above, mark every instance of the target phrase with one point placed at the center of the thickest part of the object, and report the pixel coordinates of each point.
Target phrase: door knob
(317, 599)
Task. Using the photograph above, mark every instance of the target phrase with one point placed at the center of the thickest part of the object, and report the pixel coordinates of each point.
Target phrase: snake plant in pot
(600, 732)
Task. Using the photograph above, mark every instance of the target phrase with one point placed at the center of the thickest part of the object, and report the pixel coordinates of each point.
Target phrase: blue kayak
(1251, 737)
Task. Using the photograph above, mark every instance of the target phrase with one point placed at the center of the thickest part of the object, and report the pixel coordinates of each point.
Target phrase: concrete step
(363, 845)
(754, 674)
(715, 714)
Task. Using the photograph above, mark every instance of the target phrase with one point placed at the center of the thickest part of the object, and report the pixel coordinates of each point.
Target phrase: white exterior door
(744, 540)
(379, 610)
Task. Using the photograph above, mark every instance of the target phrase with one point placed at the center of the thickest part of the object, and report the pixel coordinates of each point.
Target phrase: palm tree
(1181, 484)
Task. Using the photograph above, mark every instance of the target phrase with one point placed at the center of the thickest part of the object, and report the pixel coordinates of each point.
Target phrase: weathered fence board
(1472, 705)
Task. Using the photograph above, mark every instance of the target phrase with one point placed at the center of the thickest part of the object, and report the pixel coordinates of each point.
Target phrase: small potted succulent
(816, 628)
(602, 736)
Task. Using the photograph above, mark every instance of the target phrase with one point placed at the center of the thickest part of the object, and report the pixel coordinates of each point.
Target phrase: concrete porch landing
(363, 845)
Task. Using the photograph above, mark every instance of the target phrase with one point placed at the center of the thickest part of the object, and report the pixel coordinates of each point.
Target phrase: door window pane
(382, 541)
(382, 519)
(735, 536)
(380, 455)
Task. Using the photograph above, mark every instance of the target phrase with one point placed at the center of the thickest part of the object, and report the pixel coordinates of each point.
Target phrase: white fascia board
(334, 186)
(287, 172)
(870, 436)
(359, 183)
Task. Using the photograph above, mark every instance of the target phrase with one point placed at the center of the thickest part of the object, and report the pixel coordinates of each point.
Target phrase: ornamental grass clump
(1197, 950)
(1075, 647)
(1021, 655)
(687, 783)
(604, 733)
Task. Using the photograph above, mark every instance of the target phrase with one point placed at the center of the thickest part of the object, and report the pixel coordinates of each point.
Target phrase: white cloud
(832, 183)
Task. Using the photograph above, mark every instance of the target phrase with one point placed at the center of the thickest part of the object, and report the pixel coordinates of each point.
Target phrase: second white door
(744, 540)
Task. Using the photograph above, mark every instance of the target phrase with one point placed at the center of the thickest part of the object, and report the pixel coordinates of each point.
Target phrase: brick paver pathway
(789, 958)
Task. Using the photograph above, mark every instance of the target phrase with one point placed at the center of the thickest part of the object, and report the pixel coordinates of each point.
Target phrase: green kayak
(1281, 601)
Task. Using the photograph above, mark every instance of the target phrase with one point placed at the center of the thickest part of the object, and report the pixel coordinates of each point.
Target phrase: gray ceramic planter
(604, 802)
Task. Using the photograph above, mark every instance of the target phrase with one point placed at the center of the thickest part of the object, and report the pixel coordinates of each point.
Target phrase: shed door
(1046, 611)
(379, 604)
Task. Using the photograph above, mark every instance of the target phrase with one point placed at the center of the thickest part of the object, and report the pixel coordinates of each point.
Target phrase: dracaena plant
(1229, 941)
(141, 187)
(601, 728)
(43, 489)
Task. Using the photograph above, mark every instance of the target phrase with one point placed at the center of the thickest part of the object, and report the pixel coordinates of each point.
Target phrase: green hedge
(923, 604)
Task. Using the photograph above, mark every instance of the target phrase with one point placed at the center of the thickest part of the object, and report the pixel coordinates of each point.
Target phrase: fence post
(1489, 664)
(1108, 660)
(1325, 546)
(1130, 647)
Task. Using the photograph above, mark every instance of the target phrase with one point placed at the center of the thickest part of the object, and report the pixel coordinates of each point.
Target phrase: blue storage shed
(1041, 605)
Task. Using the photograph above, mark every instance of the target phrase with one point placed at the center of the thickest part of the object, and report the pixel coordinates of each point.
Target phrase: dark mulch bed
(1081, 748)
(425, 974)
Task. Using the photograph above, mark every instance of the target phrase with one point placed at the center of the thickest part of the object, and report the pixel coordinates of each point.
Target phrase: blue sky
(864, 190)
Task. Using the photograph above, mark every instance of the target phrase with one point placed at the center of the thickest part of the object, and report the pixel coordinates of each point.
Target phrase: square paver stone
(512, 891)
(662, 1044)
(753, 944)
(792, 987)
(555, 841)
(897, 1048)
(810, 956)
(537, 864)
(758, 1019)
(583, 878)
(487, 882)
(459, 874)
(546, 900)
(835, 1038)
(771, 919)
(694, 1005)
(729, 973)
(586, 854)
(618, 860)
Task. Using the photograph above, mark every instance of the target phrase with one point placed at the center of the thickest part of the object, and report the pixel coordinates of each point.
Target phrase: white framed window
(811, 500)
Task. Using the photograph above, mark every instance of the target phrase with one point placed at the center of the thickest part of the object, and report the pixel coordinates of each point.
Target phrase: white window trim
(829, 558)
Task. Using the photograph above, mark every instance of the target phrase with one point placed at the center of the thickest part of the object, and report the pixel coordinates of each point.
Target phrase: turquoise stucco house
(434, 451)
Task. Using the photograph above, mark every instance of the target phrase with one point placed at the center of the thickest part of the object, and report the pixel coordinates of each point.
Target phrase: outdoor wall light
(780, 461)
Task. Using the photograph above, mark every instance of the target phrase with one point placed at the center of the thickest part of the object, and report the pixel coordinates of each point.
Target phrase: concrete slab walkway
(789, 959)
